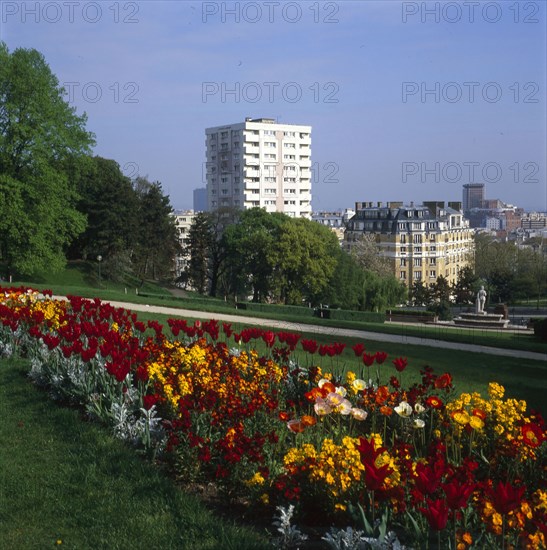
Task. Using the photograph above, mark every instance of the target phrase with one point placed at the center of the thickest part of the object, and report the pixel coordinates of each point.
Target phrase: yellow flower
(476, 423)
(461, 418)
(257, 479)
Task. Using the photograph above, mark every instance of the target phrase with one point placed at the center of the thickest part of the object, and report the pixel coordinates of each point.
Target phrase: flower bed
(456, 471)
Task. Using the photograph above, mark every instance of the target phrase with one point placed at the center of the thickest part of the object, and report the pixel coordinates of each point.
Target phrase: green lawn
(64, 479)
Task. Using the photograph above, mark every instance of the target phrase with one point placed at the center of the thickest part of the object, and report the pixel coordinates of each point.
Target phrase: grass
(66, 481)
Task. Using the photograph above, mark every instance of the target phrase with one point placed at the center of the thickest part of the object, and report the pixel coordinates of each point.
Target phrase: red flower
(381, 356)
(269, 338)
(427, 478)
(434, 402)
(309, 345)
(436, 514)
(358, 349)
(400, 363)
(532, 434)
(375, 477)
(444, 381)
(457, 494)
(368, 359)
(149, 401)
(227, 329)
(505, 498)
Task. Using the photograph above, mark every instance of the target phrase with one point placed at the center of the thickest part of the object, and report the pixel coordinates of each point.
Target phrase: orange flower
(386, 411)
(382, 394)
(296, 426)
(308, 420)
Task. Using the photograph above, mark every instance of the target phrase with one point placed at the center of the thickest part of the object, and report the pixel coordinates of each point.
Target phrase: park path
(333, 331)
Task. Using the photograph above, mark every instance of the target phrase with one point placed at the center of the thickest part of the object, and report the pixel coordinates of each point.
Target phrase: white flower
(322, 382)
(344, 407)
(321, 407)
(359, 384)
(404, 409)
(359, 414)
(419, 408)
(418, 423)
(340, 390)
(334, 399)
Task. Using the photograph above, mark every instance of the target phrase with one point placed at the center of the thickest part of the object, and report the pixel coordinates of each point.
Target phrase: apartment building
(183, 221)
(422, 242)
(259, 163)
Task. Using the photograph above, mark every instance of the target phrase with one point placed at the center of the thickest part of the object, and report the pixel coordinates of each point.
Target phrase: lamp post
(99, 259)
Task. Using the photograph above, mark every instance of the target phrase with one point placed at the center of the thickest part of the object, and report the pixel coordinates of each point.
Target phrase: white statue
(481, 299)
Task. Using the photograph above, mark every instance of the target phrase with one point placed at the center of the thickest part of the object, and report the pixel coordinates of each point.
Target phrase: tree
(465, 288)
(200, 238)
(420, 294)
(251, 247)
(110, 203)
(157, 241)
(43, 144)
(345, 288)
(368, 255)
(496, 264)
(380, 293)
(306, 259)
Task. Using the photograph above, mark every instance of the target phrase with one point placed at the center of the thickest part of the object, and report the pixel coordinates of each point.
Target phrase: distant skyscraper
(200, 199)
(473, 195)
(260, 163)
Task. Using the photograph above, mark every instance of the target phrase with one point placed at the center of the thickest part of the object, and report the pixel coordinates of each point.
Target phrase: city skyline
(407, 100)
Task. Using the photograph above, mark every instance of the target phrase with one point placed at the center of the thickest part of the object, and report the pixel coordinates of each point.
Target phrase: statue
(481, 299)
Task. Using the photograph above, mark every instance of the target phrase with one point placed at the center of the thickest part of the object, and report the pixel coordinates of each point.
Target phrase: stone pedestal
(481, 320)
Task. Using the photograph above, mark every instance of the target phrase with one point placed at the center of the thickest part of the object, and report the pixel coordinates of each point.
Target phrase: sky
(407, 100)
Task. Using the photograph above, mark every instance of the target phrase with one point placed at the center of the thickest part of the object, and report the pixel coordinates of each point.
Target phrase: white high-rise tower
(259, 163)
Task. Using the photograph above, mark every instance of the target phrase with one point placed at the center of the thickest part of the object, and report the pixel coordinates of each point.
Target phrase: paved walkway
(332, 331)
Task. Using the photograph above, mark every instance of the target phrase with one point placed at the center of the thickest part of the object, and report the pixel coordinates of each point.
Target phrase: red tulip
(149, 401)
(400, 363)
(505, 498)
(269, 338)
(375, 477)
(436, 514)
(381, 356)
(358, 349)
(457, 494)
(368, 359)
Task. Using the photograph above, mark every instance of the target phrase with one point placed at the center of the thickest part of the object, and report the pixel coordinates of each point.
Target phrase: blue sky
(407, 100)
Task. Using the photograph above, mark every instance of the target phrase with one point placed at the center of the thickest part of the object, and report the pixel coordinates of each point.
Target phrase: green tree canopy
(157, 241)
(43, 142)
(252, 251)
(110, 204)
(306, 259)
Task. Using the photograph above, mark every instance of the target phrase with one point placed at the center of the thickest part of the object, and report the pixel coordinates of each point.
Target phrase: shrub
(350, 315)
(276, 308)
(540, 329)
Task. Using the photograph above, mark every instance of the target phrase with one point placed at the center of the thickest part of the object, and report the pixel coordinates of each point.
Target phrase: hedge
(276, 308)
(351, 315)
(540, 329)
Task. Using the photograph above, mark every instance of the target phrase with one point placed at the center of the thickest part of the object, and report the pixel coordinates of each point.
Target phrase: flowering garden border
(456, 471)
